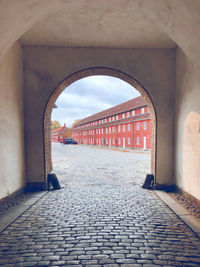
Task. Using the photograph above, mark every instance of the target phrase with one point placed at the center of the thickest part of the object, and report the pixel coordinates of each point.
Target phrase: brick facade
(58, 134)
(127, 125)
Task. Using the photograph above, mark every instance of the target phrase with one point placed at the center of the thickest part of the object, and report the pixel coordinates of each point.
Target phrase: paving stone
(100, 217)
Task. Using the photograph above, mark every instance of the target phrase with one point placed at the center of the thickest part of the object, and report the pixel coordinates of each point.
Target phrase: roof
(124, 107)
(58, 129)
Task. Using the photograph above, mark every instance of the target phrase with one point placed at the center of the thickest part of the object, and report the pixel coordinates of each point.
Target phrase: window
(102, 130)
(99, 131)
(109, 129)
(123, 116)
(133, 113)
(124, 128)
(119, 141)
(106, 130)
(144, 125)
(102, 141)
(110, 119)
(142, 110)
(113, 141)
(138, 126)
(106, 140)
(119, 128)
(113, 129)
(113, 118)
(138, 140)
(117, 117)
(96, 131)
(129, 127)
(129, 140)
(128, 115)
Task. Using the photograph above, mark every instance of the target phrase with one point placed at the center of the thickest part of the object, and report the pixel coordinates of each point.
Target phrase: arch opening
(83, 74)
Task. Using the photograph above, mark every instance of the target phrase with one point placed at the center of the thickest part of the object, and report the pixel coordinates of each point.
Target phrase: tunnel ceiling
(85, 26)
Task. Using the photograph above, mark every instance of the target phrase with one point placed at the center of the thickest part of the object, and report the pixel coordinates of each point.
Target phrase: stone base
(165, 187)
(35, 186)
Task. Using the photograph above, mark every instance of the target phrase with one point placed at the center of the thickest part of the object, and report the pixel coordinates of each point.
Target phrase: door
(145, 142)
(124, 144)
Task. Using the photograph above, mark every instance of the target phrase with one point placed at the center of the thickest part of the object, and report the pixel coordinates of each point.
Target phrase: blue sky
(90, 95)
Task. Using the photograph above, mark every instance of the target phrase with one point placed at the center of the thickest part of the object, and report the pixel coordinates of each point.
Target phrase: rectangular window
(102, 130)
(138, 126)
(113, 118)
(102, 141)
(113, 129)
(138, 140)
(113, 141)
(99, 131)
(129, 127)
(96, 131)
(119, 128)
(124, 128)
(142, 110)
(119, 141)
(110, 119)
(133, 113)
(123, 116)
(106, 141)
(106, 130)
(129, 140)
(117, 117)
(144, 125)
(128, 115)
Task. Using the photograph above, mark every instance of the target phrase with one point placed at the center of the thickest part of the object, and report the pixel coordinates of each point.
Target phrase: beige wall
(187, 131)
(11, 122)
(45, 67)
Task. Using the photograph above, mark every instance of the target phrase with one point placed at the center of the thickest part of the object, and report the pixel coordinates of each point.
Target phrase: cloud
(90, 95)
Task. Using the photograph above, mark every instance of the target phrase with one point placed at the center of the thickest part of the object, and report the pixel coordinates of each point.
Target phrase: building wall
(187, 131)
(46, 67)
(116, 131)
(12, 176)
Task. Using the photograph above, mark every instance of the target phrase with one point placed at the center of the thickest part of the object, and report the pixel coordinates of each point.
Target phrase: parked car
(68, 141)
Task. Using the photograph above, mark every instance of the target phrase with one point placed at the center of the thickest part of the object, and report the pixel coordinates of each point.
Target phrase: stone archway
(83, 74)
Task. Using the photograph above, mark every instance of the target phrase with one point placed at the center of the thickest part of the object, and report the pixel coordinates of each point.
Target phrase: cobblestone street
(100, 217)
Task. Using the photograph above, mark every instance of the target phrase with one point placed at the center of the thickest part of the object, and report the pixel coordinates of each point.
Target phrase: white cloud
(90, 95)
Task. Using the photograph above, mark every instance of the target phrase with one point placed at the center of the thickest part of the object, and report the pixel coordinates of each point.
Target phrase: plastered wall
(11, 123)
(187, 130)
(46, 67)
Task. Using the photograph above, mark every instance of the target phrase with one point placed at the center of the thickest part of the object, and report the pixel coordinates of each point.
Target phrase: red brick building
(58, 134)
(126, 125)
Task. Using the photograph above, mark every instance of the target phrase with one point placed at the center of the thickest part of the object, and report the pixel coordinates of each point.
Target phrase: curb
(192, 222)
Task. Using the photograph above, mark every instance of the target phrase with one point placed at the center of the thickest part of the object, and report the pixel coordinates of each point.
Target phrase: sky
(91, 95)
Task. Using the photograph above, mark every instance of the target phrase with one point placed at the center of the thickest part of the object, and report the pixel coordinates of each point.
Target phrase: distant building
(58, 134)
(127, 125)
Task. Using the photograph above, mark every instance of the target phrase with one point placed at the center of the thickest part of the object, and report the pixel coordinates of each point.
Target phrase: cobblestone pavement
(100, 217)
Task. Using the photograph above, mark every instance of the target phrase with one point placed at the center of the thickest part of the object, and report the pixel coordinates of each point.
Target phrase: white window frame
(113, 129)
(124, 128)
(119, 128)
(119, 141)
(133, 112)
(123, 115)
(129, 127)
(129, 140)
(144, 125)
(138, 126)
(142, 110)
(128, 115)
(113, 140)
